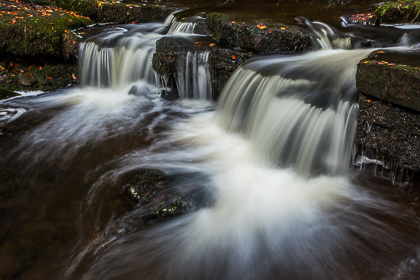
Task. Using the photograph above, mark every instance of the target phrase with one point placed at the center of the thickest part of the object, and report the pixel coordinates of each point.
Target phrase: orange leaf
(212, 44)
(233, 57)
(369, 100)
(282, 28)
(48, 77)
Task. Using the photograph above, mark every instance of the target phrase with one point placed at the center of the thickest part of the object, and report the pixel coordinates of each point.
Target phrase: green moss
(215, 22)
(404, 11)
(5, 93)
(399, 84)
(122, 13)
(38, 35)
(269, 38)
(47, 77)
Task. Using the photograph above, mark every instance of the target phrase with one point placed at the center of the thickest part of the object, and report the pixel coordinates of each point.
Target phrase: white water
(118, 59)
(298, 111)
(193, 79)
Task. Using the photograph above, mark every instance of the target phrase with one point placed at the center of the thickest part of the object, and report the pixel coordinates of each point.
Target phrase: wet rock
(148, 190)
(34, 35)
(399, 84)
(388, 132)
(26, 80)
(128, 13)
(5, 93)
(223, 63)
(169, 51)
(396, 12)
(258, 37)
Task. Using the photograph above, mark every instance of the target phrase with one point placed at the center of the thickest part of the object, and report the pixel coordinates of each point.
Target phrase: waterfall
(118, 57)
(187, 26)
(298, 112)
(193, 77)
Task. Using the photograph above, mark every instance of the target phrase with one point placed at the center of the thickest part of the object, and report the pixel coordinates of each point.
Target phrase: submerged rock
(148, 190)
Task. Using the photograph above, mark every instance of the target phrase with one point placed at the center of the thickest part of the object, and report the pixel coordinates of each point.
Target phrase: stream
(269, 169)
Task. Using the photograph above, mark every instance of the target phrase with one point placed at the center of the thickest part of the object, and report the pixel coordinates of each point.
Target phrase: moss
(38, 35)
(265, 38)
(399, 84)
(5, 93)
(404, 11)
(47, 77)
(122, 13)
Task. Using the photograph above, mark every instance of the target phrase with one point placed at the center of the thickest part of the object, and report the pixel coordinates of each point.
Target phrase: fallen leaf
(212, 44)
(233, 57)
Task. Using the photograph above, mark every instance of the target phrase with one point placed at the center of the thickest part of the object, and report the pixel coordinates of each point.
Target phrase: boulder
(26, 80)
(395, 83)
(388, 132)
(257, 37)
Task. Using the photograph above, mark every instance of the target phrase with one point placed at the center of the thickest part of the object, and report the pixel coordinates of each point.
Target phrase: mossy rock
(397, 12)
(399, 84)
(5, 93)
(257, 37)
(45, 77)
(122, 13)
(223, 63)
(38, 35)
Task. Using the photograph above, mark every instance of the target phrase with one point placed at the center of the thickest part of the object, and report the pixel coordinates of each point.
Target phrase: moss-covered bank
(5, 93)
(395, 12)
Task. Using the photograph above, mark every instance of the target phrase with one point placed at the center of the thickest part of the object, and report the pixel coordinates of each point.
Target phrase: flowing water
(268, 172)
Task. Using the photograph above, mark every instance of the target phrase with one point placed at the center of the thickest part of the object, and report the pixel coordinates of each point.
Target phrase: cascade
(297, 111)
(193, 77)
(184, 27)
(119, 57)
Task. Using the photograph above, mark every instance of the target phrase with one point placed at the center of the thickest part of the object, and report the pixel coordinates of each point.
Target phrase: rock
(388, 132)
(258, 37)
(148, 190)
(397, 12)
(399, 84)
(128, 13)
(223, 63)
(5, 93)
(26, 80)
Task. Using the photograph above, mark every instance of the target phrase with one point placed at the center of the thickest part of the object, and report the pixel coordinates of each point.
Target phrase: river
(269, 170)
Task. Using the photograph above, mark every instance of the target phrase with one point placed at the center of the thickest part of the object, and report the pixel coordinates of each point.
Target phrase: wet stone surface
(148, 190)
(388, 132)
(389, 81)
